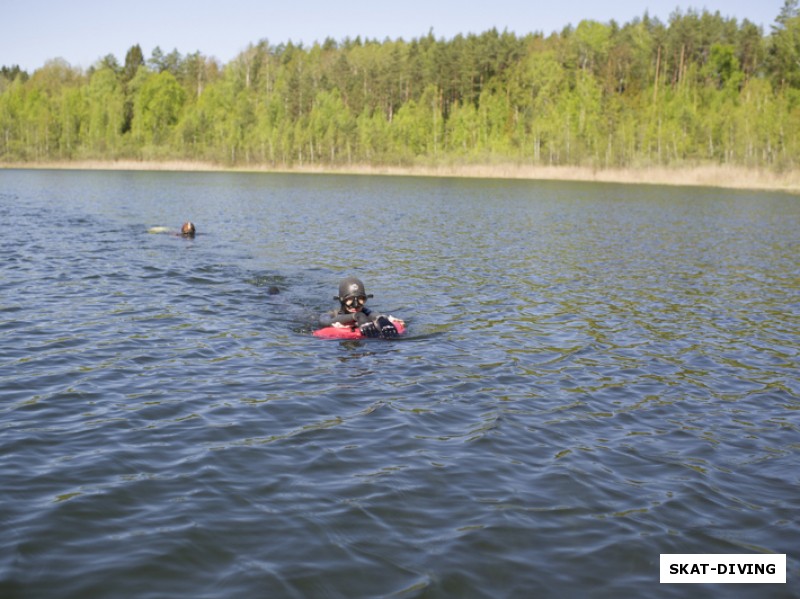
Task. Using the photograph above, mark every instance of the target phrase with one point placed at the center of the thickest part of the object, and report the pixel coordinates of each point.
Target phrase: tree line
(697, 89)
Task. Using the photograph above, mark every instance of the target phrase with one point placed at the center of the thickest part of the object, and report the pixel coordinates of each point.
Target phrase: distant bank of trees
(698, 89)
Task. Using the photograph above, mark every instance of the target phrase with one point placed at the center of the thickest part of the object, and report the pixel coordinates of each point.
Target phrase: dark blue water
(593, 375)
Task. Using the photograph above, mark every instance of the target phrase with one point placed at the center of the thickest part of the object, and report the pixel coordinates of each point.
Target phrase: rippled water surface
(593, 375)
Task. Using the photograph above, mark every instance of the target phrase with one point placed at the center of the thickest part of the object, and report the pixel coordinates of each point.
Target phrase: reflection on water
(594, 375)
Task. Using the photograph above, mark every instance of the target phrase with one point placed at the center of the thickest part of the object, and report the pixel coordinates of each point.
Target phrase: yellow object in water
(158, 230)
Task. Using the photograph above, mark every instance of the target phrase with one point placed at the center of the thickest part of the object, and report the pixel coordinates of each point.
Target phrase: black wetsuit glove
(388, 330)
(366, 326)
(368, 329)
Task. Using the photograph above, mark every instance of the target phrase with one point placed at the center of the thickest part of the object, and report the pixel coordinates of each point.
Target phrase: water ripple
(593, 376)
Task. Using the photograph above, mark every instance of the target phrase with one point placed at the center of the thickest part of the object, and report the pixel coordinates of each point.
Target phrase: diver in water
(187, 230)
(353, 313)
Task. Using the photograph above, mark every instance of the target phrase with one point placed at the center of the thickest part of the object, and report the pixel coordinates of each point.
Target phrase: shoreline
(702, 176)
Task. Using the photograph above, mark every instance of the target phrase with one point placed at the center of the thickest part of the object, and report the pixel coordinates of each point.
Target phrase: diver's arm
(327, 319)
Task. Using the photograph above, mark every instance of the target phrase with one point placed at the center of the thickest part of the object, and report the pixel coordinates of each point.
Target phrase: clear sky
(83, 31)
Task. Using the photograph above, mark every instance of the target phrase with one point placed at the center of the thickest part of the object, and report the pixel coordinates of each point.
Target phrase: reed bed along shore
(707, 176)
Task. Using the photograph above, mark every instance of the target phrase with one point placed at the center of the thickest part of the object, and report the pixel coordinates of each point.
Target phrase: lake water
(593, 375)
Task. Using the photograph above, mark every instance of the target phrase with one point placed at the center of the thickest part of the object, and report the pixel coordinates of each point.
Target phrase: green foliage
(134, 59)
(699, 88)
(158, 104)
(784, 51)
(105, 108)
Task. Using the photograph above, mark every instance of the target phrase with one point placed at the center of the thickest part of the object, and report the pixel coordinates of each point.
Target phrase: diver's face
(354, 303)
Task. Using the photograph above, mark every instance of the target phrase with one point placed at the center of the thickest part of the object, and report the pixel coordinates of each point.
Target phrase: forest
(698, 89)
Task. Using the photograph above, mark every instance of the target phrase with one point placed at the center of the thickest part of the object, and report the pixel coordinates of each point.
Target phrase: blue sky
(83, 31)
